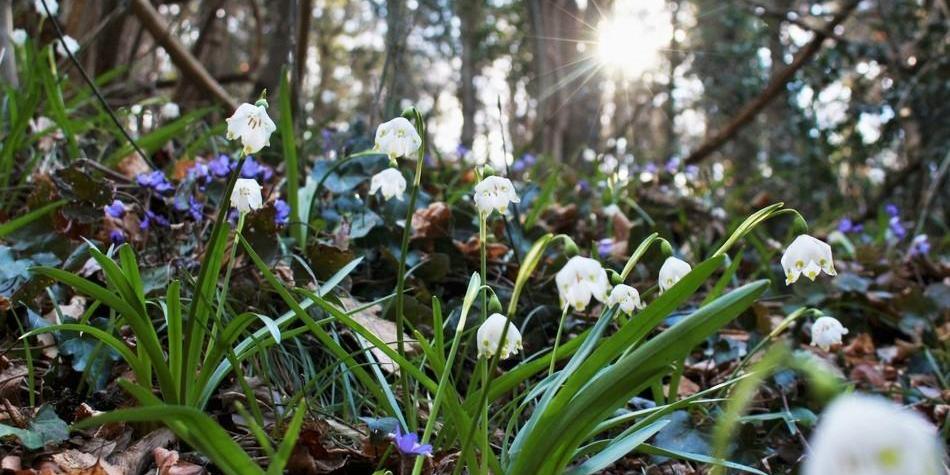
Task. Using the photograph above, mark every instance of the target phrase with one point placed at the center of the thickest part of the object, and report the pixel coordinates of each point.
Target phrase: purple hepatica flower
(650, 168)
(461, 151)
(891, 210)
(282, 215)
(116, 236)
(583, 185)
(221, 166)
(115, 210)
(672, 165)
(692, 172)
(156, 181)
(849, 227)
(529, 159)
(253, 169)
(604, 246)
(920, 245)
(519, 166)
(896, 227)
(152, 218)
(196, 209)
(200, 173)
(408, 444)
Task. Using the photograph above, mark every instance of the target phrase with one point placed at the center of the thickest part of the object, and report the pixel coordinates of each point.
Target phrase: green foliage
(45, 428)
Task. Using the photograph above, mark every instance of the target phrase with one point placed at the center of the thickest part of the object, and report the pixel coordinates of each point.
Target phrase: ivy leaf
(45, 428)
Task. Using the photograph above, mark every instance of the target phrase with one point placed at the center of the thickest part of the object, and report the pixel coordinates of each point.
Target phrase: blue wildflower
(894, 224)
(891, 210)
(152, 218)
(221, 166)
(672, 165)
(519, 166)
(604, 246)
(282, 215)
(920, 246)
(196, 209)
(408, 444)
(529, 159)
(254, 169)
(200, 173)
(115, 210)
(692, 172)
(849, 227)
(461, 151)
(156, 181)
(116, 236)
(583, 185)
(650, 168)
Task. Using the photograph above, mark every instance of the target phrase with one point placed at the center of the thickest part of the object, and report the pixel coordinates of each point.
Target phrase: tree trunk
(280, 40)
(471, 15)
(8, 66)
(395, 72)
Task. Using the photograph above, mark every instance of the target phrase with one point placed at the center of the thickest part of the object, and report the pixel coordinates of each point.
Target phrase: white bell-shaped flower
(53, 6)
(246, 195)
(807, 256)
(390, 182)
(827, 331)
(71, 45)
(398, 138)
(252, 125)
(672, 270)
(627, 297)
(170, 111)
(579, 280)
(868, 435)
(19, 36)
(489, 336)
(495, 193)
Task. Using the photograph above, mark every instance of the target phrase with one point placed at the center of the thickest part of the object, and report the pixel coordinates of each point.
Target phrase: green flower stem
(483, 251)
(401, 275)
(557, 338)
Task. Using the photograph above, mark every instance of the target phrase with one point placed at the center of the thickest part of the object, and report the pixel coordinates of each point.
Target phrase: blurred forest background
(838, 105)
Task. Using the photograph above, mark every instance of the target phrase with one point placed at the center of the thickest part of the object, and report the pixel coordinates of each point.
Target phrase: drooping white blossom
(18, 36)
(51, 133)
(672, 270)
(495, 193)
(246, 195)
(827, 331)
(869, 435)
(627, 297)
(170, 111)
(390, 182)
(398, 138)
(579, 280)
(252, 125)
(489, 336)
(53, 6)
(807, 256)
(71, 45)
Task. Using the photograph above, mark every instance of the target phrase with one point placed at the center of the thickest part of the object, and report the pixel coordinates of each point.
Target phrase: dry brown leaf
(431, 222)
(470, 249)
(10, 462)
(382, 328)
(168, 463)
(132, 166)
(74, 462)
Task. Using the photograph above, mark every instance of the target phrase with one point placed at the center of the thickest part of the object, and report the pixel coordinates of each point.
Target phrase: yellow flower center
(889, 458)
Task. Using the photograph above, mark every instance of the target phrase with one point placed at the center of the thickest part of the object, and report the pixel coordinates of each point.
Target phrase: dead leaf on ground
(74, 462)
(432, 221)
(132, 166)
(470, 249)
(382, 328)
(168, 463)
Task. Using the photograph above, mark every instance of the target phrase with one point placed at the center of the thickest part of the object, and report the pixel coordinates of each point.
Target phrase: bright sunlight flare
(632, 38)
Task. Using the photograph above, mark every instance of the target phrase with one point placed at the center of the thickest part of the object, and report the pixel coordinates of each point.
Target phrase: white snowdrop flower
(495, 193)
(876, 176)
(807, 256)
(252, 125)
(868, 435)
(71, 44)
(18, 36)
(390, 181)
(579, 280)
(53, 6)
(672, 270)
(246, 195)
(398, 138)
(489, 336)
(827, 331)
(627, 297)
(51, 133)
(136, 109)
(170, 111)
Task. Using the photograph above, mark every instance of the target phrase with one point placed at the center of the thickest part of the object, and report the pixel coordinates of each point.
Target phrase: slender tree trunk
(470, 13)
(8, 66)
(675, 58)
(395, 73)
(280, 40)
